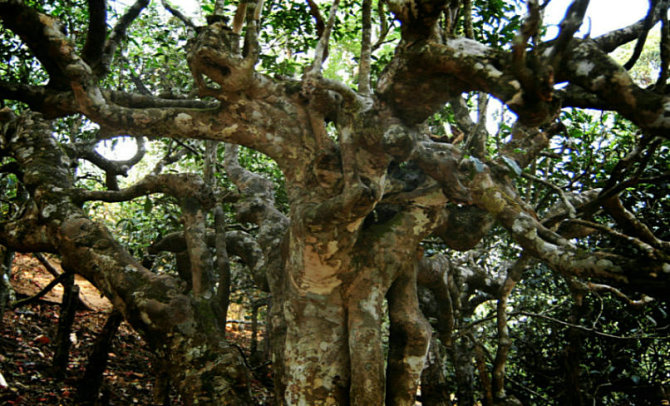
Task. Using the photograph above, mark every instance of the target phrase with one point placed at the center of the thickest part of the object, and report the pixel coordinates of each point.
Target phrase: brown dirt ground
(26, 349)
(29, 277)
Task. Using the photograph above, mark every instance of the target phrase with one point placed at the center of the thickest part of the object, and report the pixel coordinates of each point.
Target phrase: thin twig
(321, 51)
(583, 328)
(179, 15)
(639, 244)
(564, 197)
(38, 295)
(639, 45)
(564, 323)
(45, 262)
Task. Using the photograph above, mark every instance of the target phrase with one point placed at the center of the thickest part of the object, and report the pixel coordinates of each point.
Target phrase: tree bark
(409, 339)
(179, 329)
(68, 309)
(434, 382)
(90, 383)
(6, 259)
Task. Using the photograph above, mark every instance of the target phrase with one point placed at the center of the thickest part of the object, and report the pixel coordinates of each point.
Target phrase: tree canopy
(424, 193)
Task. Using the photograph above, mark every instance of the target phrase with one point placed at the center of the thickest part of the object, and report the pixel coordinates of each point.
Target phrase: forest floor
(26, 348)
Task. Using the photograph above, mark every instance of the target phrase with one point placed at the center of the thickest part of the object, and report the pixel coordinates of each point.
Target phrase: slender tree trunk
(572, 355)
(434, 389)
(6, 258)
(462, 356)
(223, 267)
(62, 342)
(408, 341)
(90, 384)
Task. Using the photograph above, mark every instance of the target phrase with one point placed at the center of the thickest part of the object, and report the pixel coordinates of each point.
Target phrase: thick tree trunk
(315, 357)
(333, 312)
(333, 351)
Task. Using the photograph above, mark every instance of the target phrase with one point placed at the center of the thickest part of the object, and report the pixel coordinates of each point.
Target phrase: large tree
(372, 178)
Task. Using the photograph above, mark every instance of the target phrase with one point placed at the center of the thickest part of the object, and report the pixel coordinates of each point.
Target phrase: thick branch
(418, 18)
(26, 234)
(434, 274)
(585, 65)
(237, 126)
(153, 304)
(366, 50)
(568, 27)
(423, 76)
(178, 185)
(112, 168)
(318, 17)
(612, 40)
(409, 338)
(643, 301)
(558, 253)
(258, 206)
(632, 225)
(238, 243)
(34, 29)
(97, 30)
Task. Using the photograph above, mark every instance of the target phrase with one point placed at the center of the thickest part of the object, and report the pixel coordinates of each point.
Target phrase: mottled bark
(408, 342)
(434, 381)
(223, 269)
(504, 340)
(200, 258)
(354, 226)
(203, 366)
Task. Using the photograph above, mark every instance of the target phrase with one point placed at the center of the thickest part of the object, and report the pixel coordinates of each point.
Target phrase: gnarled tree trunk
(178, 328)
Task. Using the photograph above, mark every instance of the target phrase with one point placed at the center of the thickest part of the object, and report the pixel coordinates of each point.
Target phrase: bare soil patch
(26, 348)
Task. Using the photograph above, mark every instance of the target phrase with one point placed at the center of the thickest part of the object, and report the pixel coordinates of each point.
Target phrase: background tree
(358, 197)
